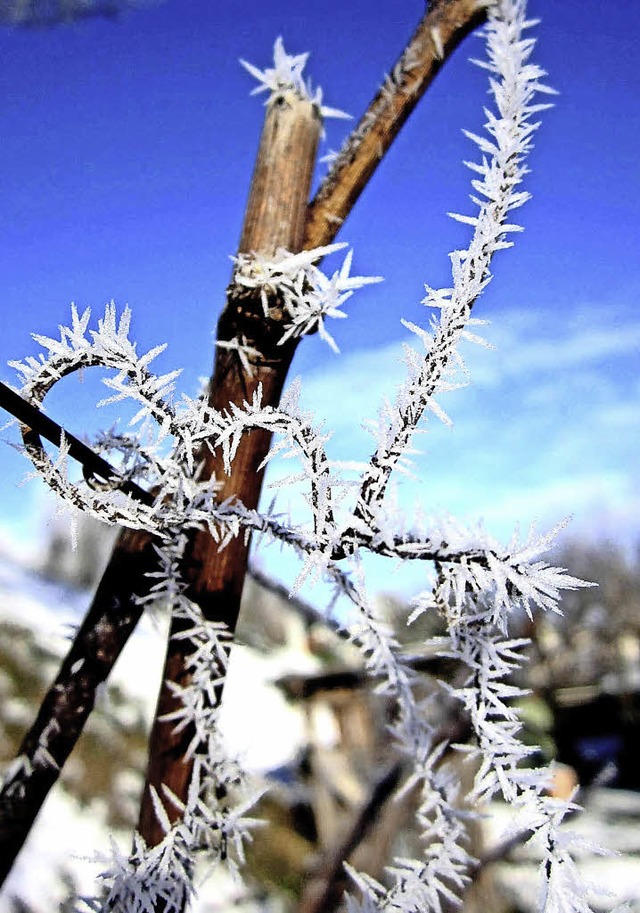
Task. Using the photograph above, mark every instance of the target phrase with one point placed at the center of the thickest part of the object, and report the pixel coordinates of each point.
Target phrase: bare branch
(324, 890)
(445, 24)
(112, 616)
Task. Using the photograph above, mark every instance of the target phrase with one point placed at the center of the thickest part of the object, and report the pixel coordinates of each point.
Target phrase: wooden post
(275, 218)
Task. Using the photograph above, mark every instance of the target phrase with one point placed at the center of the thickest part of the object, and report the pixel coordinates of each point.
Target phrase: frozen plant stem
(274, 219)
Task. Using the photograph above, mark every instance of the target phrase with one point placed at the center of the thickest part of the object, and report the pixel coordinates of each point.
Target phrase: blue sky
(127, 148)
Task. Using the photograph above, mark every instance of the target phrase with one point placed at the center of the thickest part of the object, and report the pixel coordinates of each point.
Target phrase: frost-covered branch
(444, 25)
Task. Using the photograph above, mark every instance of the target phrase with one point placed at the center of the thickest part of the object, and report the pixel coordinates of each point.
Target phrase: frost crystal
(309, 295)
(285, 79)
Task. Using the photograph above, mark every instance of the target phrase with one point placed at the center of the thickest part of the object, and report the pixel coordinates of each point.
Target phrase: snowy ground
(260, 727)
(263, 729)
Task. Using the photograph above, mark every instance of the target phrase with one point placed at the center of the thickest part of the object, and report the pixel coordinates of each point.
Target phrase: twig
(323, 892)
(94, 465)
(445, 24)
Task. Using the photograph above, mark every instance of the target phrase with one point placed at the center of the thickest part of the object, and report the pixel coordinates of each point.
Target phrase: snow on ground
(259, 725)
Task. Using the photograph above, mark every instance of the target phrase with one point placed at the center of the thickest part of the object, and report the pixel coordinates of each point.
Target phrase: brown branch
(324, 890)
(445, 24)
(274, 219)
(111, 618)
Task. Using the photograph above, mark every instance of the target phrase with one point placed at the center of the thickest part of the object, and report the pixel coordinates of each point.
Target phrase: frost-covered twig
(514, 84)
(93, 466)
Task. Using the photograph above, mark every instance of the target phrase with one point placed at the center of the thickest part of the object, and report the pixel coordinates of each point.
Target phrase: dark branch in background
(323, 892)
(108, 624)
(110, 620)
(328, 882)
(298, 687)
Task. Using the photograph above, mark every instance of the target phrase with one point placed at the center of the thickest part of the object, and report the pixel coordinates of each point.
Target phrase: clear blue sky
(126, 152)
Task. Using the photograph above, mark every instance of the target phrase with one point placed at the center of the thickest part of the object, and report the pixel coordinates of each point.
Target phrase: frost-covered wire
(478, 584)
(514, 83)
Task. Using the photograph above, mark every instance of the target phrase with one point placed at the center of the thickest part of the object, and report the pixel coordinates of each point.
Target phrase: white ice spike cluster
(285, 78)
(309, 296)
(514, 84)
(478, 583)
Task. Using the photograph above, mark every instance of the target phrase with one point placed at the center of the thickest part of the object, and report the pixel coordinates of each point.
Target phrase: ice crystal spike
(308, 294)
(285, 77)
